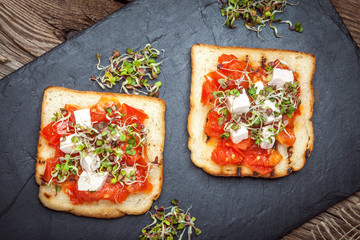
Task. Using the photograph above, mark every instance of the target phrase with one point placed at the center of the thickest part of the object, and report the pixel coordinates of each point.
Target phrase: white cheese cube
(90, 163)
(239, 134)
(268, 137)
(67, 146)
(271, 118)
(280, 77)
(239, 104)
(271, 105)
(90, 181)
(259, 86)
(82, 117)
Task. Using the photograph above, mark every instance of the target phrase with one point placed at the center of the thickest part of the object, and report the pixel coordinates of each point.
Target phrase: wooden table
(29, 28)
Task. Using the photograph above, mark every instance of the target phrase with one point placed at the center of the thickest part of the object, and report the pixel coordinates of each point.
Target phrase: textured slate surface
(225, 208)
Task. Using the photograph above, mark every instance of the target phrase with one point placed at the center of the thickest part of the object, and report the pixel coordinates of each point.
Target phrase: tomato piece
(132, 159)
(286, 137)
(234, 68)
(98, 117)
(134, 112)
(212, 127)
(53, 132)
(261, 160)
(224, 155)
(209, 86)
(50, 166)
(282, 66)
(113, 192)
(226, 58)
(275, 158)
(243, 145)
(51, 163)
(72, 108)
(255, 155)
(140, 186)
(107, 101)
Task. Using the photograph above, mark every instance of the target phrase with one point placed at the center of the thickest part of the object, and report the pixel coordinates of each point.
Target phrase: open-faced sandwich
(250, 110)
(100, 154)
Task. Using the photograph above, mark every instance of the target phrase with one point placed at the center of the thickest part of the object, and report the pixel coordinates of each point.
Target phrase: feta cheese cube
(269, 138)
(82, 117)
(271, 118)
(67, 146)
(259, 86)
(91, 181)
(239, 134)
(90, 162)
(280, 77)
(239, 104)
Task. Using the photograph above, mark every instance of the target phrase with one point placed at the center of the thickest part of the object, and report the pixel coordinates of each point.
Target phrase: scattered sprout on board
(256, 13)
(167, 224)
(133, 70)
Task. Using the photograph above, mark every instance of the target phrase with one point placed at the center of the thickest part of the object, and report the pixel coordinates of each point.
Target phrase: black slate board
(225, 208)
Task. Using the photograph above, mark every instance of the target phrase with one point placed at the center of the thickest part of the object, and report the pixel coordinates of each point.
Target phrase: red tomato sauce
(117, 192)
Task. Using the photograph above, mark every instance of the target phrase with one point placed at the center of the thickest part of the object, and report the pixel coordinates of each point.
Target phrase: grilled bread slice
(54, 99)
(204, 60)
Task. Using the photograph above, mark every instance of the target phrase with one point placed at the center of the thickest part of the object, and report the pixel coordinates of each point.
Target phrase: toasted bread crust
(55, 98)
(204, 60)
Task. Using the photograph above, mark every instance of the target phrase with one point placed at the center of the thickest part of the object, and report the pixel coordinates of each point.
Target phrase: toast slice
(204, 60)
(54, 99)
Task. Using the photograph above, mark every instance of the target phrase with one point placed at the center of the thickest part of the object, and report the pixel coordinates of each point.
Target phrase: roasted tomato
(286, 137)
(212, 127)
(209, 86)
(134, 112)
(224, 154)
(50, 164)
(243, 145)
(105, 102)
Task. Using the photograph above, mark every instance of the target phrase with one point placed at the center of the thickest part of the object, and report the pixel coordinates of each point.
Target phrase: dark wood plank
(349, 11)
(29, 28)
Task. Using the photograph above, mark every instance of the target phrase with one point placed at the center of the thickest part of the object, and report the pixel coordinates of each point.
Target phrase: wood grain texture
(29, 28)
(341, 221)
(349, 11)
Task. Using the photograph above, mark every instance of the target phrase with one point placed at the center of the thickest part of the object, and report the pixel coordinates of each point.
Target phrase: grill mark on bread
(47, 195)
(290, 151)
(263, 61)
(239, 171)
